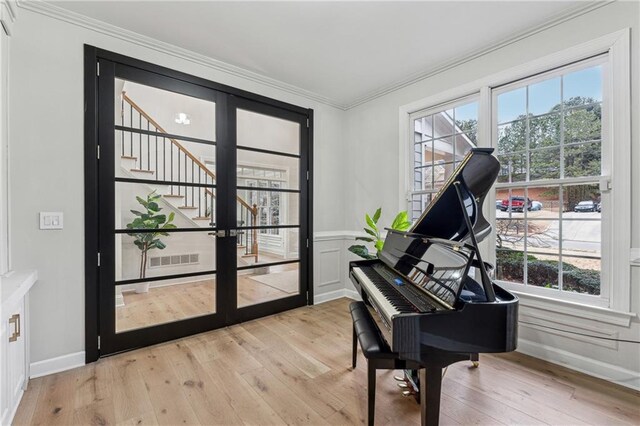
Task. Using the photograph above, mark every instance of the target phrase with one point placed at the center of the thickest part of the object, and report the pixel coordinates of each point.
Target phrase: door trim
(91, 169)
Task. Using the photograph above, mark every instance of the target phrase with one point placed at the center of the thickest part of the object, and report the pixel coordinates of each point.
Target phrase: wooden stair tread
(173, 196)
(201, 218)
(143, 171)
(128, 157)
(187, 207)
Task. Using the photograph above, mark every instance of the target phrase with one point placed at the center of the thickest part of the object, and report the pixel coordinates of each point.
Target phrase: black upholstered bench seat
(375, 349)
(367, 333)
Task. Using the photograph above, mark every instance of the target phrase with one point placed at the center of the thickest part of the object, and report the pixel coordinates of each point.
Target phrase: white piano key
(388, 310)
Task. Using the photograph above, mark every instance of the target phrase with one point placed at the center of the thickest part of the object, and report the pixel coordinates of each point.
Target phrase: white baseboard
(352, 294)
(57, 364)
(337, 294)
(10, 415)
(592, 367)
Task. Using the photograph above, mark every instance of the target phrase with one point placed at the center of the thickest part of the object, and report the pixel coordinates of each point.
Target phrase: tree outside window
(548, 201)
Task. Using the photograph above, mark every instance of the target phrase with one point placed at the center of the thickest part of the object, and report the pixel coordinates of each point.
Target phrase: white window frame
(603, 180)
(411, 191)
(616, 85)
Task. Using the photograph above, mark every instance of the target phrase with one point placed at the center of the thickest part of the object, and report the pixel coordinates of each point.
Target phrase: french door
(202, 206)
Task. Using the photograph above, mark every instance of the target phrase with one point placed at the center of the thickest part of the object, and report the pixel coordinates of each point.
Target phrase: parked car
(536, 205)
(599, 207)
(498, 204)
(585, 206)
(515, 204)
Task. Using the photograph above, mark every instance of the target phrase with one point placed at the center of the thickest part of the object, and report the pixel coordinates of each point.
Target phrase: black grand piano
(430, 292)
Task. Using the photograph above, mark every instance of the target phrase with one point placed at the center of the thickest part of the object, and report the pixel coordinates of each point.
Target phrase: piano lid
(444, 217)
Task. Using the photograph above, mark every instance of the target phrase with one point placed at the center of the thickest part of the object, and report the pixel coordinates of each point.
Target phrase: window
(548, 137)
(268, 203)
(560, 126)
(441, 138)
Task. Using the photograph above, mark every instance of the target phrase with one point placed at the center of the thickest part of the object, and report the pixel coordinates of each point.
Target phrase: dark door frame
(92, 56)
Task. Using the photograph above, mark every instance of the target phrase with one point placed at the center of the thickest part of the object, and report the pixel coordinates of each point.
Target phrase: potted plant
(400, 223)
(149, 219)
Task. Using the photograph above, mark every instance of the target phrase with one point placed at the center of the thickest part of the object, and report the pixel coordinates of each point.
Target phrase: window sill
(579, 310)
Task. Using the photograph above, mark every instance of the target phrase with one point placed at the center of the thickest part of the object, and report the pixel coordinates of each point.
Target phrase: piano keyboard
(389, 298)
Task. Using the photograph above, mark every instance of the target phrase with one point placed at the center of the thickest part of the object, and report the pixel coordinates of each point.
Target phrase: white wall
(6, 18)
(372, 132)
(46, 142)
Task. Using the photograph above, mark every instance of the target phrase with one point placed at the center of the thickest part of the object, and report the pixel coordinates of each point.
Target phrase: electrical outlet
(51, 220)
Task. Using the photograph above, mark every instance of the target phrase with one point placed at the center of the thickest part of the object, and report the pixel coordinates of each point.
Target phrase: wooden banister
(251, 209)
(183, 149)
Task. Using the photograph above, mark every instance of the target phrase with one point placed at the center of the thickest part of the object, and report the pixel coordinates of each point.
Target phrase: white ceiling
(342, 51)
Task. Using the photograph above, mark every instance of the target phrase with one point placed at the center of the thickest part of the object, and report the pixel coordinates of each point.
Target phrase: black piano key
(406, 298)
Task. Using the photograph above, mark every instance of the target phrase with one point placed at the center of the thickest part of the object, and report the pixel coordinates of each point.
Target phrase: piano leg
(430, 384)
(475, 360)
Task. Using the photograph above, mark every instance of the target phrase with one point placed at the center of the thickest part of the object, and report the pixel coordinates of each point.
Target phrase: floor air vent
(174, 260)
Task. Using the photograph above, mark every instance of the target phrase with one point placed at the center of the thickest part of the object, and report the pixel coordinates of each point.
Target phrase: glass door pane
(164, 207)
(268, 208)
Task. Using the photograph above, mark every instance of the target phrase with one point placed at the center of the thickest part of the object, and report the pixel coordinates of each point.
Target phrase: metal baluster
(122, 119)
(131, 133)
(179, 171)
(148, 149)
(246, 246)
(200, 193)
(205, 203)
(171, 162)
(140, 139)
(192, 181)
(156, 140)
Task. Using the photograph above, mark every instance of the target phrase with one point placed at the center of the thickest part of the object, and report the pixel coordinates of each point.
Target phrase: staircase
(155, 156)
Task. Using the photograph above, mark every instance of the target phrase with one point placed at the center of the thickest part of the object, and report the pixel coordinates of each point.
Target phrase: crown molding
(56, 12)
(445, 66)
(8, 16)
(11, 8)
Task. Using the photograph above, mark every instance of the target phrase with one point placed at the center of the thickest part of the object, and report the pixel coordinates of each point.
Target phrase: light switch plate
(51, 220)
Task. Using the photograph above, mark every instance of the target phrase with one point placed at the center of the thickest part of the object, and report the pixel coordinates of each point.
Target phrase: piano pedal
(408, 393)
(475, 364)
(400, 378)
(403, 385)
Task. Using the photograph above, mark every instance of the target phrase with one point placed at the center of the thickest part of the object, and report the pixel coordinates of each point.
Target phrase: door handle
(15, 320)
(224, 233)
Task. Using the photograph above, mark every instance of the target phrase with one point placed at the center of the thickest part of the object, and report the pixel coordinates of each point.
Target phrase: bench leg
(354, 353)
(371, 392)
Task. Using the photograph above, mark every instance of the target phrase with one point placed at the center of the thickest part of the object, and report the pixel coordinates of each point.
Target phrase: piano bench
(375, 349)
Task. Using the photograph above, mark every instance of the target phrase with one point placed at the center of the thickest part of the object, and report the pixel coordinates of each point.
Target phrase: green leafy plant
(150, 219)
(400, 223)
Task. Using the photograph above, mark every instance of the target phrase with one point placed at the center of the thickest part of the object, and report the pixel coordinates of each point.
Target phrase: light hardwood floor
(294, 368)
(176, 302)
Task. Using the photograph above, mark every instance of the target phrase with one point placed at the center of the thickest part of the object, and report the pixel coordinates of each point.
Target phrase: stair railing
(181, 165)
